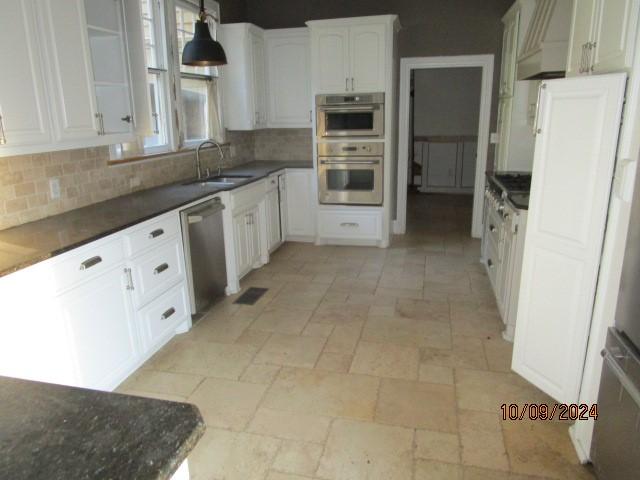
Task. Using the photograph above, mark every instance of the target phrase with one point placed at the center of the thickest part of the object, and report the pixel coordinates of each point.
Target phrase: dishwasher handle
(200, 212)
(610, 359)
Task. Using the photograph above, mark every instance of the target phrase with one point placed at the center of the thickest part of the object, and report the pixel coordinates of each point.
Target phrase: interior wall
(447, 101)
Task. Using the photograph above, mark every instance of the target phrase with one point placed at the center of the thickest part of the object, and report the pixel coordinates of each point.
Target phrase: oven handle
(359, 108)
(350, 162)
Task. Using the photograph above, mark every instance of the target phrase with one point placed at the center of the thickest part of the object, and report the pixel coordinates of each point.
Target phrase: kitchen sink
(223, 180)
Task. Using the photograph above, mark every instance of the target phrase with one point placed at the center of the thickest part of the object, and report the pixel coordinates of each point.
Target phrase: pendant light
(202, 50)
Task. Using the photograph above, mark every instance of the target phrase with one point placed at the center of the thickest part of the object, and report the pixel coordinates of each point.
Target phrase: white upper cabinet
(67, 51)
(244, 77)
(24, 113)
(579, 122)
(602, 36)
(367, 57)
(289, 78)
(509, 52)
(70, 83)
(350, 55)
(330, 59)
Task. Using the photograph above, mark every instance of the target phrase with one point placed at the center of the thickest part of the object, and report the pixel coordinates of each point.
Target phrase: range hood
(544, 50)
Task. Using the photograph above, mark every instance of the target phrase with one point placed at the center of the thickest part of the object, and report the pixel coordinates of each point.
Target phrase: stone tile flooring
(362, 363)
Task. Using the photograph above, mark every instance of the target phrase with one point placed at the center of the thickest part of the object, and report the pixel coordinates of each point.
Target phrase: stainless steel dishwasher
(203, 235)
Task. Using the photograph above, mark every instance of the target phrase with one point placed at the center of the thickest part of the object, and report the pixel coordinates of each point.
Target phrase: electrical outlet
(54, 188)
(232, 150)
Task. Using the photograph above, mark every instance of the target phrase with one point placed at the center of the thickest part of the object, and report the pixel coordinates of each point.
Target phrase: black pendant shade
(202, 50)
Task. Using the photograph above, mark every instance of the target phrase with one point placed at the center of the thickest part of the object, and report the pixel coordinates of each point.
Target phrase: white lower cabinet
(100, 321)
(246, 230)
(350, 224)
(301, 204)
(272, 215)
(158, 320)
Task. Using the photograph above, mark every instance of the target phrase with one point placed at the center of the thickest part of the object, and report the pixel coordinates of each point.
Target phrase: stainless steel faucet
(199, 164)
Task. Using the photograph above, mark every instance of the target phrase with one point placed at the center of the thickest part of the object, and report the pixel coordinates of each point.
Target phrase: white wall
(447, 101)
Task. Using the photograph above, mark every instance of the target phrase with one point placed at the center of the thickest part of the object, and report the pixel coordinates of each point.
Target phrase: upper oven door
(356, 181)
(351, 121)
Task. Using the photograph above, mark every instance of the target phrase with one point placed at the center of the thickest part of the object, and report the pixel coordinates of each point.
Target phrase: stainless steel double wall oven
(350, 171)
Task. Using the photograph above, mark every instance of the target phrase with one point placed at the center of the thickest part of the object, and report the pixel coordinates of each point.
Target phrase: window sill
(156, 155)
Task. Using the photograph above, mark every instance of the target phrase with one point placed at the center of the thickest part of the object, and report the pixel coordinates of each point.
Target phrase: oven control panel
(348, 149)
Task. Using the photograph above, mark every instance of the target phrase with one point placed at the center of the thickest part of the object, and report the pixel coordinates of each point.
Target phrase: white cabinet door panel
(70, 63)
(259, 80)
(99, 320)
(289, 80)
(331, 59)
(301, 203)
(25, 115)
(441, 164)
(573, 167)
(367, 58)
(614, 35)
(581, 33)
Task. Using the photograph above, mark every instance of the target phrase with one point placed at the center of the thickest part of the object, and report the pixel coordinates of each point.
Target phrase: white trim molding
(407, 65)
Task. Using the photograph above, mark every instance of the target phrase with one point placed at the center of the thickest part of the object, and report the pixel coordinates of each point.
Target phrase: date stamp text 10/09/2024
(556, 411)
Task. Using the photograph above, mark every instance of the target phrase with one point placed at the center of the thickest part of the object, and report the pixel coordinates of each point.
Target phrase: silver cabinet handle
(90, 262)
(590, 63)
(346, 84)
(490, 263)
(492, 228)
(155, 116)
(160, 268)
(352, 87)
(156, 233)
(349, 224)
(100, 118)
(3, 138)
(168, 313)
(127, 271)
(582, 58)
(537, 130)
(127, 118)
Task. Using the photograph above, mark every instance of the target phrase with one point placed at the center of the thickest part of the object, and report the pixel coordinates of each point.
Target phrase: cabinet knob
(127, 119)
(90, 262)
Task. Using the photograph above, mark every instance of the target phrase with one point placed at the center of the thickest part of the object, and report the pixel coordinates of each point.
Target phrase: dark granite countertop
(33, 242)
(56, 432)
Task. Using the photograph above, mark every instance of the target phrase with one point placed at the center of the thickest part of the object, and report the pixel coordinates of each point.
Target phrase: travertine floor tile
(298, 457)
(361, 450)
(335, 314)
(334, 362)
(435, 374)
(318, 392)
(498, 353)
(290, 425)
(317, 330)
(443, 447)
(178, 384)
(218, 329)
(221, 454)
(417, 405)
(386, 360)
(484, 449)
(209, 359)
(407, 331)
(542, 448)
(344, 338)
(487, 391)
(290, 350)
(431, 470)
(264, 374)
(465, 352)
(423, 310)
(227, 403)
(287, 320)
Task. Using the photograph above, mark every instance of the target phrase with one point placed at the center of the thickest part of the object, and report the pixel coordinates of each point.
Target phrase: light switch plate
(54, 188)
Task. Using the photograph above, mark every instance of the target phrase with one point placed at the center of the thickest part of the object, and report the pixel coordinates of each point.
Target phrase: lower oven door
(346, 181)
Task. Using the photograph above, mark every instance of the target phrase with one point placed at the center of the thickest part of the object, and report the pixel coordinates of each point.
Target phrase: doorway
(443, 146)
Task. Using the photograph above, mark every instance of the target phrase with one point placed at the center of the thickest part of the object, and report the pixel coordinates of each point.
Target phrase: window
(183, 99)
(197, 84)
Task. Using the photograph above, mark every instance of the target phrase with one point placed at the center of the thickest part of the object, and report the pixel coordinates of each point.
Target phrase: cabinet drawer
(156, 271)
(158, 320)
(151, 233)
(84, 263)
(350, 225)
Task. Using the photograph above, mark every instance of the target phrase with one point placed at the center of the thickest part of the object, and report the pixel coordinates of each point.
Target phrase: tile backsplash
(86, 178)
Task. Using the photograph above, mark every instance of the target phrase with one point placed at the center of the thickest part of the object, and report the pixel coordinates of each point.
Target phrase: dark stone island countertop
(55, 432)
(34, 242)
